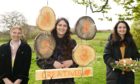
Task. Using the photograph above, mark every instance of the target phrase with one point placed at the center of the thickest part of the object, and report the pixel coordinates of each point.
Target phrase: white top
(14, 47)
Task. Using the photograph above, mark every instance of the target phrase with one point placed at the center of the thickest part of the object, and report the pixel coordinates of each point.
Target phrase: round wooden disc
(83, 55)
(46, 19)
(44, 45)
(85, 28)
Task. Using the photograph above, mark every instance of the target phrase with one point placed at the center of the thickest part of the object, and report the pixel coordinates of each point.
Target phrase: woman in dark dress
(120, 45)
(15, 59)
(62, 55)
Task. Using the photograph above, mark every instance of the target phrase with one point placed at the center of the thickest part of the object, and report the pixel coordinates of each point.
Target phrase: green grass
(97, 44)
(99, 69)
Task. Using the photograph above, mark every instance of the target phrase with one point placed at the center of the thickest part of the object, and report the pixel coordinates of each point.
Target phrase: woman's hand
(57, 65)
(117, 62)
(18, 81)
(67, 63)
(7, 81)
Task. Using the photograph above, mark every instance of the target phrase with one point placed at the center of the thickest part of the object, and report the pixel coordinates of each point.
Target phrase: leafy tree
(11, 19)
(131, 7)
(136, 11)
(93, 4)
(96, 6)
(136, 31)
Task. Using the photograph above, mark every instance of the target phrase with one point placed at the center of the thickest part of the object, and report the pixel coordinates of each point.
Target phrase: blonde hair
(16, 27)
(20, 28)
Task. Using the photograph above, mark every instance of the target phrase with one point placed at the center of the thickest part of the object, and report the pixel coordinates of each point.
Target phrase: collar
(12, 44)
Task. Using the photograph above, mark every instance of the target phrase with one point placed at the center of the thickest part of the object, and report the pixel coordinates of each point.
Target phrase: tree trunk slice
(83, 55)
(44, 45)
(85, 28)
(46, 19)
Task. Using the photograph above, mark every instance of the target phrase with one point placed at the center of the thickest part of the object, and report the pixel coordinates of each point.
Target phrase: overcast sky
(62, 8)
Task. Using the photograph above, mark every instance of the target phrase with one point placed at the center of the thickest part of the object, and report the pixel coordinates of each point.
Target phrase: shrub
(136, 32)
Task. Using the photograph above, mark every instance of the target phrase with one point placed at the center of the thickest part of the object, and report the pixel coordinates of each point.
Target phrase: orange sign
(48, 74)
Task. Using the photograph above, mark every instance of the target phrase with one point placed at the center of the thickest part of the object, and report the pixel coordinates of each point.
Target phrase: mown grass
(99, 68)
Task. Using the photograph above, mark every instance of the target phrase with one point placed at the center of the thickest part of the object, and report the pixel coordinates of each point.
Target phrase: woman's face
(121, 29)
(61, 28)
(15, 34)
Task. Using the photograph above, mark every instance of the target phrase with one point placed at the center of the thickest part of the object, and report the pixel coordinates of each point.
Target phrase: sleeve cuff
(22, 77)
(3, 76)
(110, 62)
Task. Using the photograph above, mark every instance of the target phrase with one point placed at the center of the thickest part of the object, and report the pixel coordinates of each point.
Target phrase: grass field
(99, 69)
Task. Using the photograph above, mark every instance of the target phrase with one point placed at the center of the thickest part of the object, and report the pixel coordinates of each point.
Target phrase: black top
(61, 53)
(112, 53)
(21, 64)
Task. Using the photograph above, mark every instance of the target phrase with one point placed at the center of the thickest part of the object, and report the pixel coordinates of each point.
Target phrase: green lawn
(99, 69)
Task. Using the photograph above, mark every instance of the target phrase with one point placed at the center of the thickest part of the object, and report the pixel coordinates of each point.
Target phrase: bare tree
(96, 6)
(11, 19)
(131, 8)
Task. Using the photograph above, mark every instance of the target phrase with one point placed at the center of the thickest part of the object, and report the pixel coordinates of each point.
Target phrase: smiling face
(121, 29)
(15, 34)
(61, 28)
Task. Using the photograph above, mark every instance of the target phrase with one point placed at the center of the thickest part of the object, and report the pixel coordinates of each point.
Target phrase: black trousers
(59, 81)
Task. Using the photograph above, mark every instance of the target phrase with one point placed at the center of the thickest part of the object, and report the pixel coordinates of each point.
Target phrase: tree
(96, 6)
(131, 7)
(93, 4)
(11, 19)
(136, 11)
(136, 31)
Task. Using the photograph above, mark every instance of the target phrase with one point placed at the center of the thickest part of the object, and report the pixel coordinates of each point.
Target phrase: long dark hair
(115, 35)
(66, 45)
(67, 35)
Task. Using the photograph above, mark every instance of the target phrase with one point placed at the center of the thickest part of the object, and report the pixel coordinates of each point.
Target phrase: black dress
(60, 54)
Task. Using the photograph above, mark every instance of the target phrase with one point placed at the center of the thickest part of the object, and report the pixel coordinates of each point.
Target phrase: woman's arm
(108, 59)
(73, 46)
(3, 74)
(7, 81)
(67, 63)
(45, 63)
(18, 81)
(26, 59)
(70, 62)
(135, 51)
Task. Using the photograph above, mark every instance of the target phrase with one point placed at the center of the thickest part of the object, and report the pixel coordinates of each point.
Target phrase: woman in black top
(62, 55)
(15, 59)
(120, 39)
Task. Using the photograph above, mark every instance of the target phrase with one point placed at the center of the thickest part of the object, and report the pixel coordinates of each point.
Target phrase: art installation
(46, 19)
(85, 28)
(45, 44)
